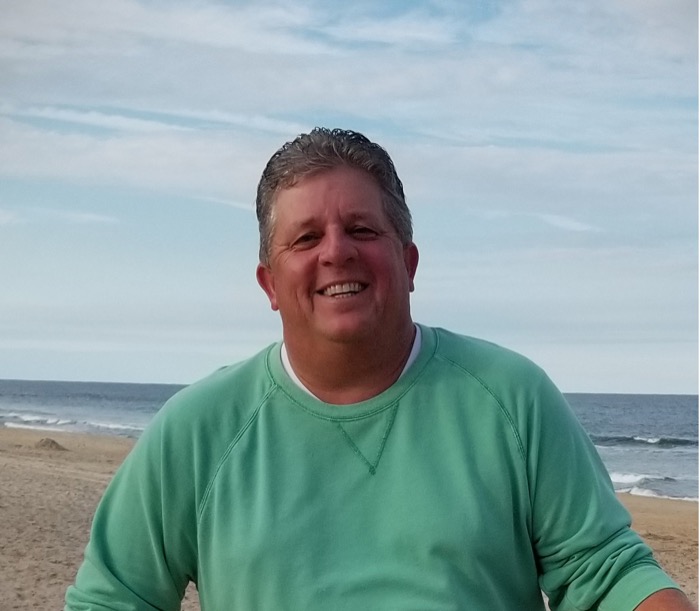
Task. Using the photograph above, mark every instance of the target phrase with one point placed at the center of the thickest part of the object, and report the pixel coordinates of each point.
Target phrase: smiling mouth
(346, 289)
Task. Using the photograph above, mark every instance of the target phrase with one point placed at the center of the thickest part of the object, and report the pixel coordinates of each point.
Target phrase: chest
(405, 508)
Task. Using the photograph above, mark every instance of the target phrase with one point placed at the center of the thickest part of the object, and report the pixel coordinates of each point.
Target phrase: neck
(344, 373)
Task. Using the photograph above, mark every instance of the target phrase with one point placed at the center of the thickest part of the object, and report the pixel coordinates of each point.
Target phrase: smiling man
(364, 462)
(340, 276)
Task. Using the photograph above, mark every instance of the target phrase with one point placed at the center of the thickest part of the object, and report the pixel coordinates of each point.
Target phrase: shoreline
(49, 496)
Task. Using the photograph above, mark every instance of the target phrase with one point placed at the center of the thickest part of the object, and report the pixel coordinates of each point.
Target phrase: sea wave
(636, 491)
(639, 440)
(37, 420)
(33, 427)
(658, 486)
(127, 428)
(632, 478)
(43, 422)
(638, 478)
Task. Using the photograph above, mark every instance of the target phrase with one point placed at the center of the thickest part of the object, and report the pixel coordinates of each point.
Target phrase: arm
(140, 552)
(589, 555)
(666, 600)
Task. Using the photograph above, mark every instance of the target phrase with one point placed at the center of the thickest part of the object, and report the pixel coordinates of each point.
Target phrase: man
(366, 462)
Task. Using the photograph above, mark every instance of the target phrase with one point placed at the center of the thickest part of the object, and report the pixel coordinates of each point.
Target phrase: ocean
(649, 443)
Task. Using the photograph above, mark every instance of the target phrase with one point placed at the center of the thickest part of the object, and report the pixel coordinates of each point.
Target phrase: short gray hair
(325, 149)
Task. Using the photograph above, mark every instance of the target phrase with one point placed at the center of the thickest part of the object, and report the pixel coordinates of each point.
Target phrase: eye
(363, 233)
(305, 240)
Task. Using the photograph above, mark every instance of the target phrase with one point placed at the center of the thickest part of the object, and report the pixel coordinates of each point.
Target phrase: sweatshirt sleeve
(588, 554)
(142, 548)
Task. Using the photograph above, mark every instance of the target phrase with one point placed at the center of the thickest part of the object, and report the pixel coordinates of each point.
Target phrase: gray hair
(325, 149)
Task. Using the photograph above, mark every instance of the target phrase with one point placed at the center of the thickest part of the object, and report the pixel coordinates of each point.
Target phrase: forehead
(344, 190)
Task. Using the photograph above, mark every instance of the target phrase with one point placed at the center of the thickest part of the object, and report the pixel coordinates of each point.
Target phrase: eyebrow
(301, 225)
(352, 216)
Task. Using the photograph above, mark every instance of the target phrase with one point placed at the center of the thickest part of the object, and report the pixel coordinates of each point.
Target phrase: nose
(337, 248)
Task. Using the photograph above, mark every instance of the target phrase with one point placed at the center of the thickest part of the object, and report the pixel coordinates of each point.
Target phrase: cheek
(297, 282)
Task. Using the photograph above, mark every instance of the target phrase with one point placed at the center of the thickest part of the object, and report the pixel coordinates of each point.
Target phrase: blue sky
(548, 151)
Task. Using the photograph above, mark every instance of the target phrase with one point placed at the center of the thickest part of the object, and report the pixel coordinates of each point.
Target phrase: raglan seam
(207, 491)
(501, 407)
(253, 416)
(511, 424)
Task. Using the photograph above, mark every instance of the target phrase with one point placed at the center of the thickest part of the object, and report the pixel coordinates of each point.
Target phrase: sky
(548, 152)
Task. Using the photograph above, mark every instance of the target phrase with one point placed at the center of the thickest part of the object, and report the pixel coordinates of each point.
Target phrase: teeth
(342, 289)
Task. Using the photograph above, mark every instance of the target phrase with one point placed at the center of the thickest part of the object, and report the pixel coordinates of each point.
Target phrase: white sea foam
(29, 421)
(31, 418)
(629, 478)
(642, 492)
(636, 491)
(33, 427)
(652, 440)
(115, 427)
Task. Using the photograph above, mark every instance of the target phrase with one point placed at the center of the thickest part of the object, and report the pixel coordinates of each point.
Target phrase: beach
(50, 484)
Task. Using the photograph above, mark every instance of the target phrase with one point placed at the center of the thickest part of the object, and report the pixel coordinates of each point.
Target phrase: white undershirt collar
(415, 349)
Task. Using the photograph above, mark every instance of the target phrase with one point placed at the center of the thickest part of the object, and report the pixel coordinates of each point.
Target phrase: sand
(49, 491)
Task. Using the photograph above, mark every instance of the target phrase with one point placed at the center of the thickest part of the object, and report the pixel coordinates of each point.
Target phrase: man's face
(337, 270)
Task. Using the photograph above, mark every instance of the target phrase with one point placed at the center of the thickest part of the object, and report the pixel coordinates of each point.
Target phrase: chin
(349, 332)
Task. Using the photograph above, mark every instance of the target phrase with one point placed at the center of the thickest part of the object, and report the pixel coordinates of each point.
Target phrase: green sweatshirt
(466, 485)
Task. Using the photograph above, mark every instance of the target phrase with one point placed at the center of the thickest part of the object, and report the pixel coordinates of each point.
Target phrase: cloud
(537, 140)
(233, 204)
(553, 220)
(91, 118)
(670, 26)
(85, 218)
(562, 222)
(8, 217)
(36, 214)
(409, 29)
(248, 121)
(158, 121)
(185, 161)
(243, 66)
(602, 190)
(604, 293)
(128, 26)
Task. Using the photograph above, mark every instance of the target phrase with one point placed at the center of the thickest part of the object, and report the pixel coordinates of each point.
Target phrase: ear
(410, 257)
(266, 280)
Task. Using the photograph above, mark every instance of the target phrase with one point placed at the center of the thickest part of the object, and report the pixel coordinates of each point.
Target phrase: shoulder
(227, 385)
(212, 411)
(192, 432)
(491, 364)
(519, 389)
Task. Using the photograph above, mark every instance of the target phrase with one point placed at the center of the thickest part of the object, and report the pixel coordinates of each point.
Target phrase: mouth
(341, 290)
